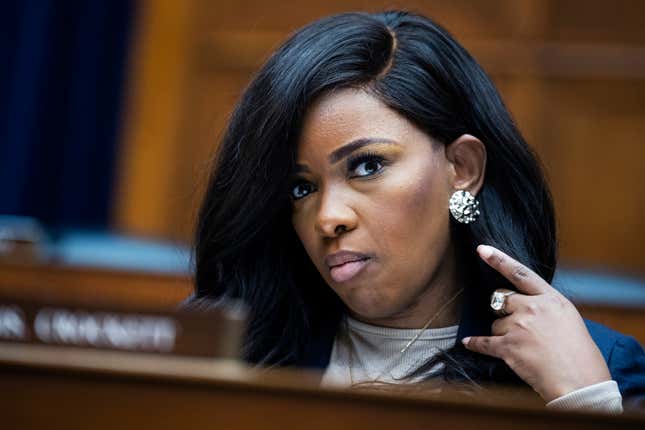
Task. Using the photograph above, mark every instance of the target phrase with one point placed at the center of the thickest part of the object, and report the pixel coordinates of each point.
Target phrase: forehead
(349, 114)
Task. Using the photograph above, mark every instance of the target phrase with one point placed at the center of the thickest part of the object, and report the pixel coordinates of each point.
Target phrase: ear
(467, 155)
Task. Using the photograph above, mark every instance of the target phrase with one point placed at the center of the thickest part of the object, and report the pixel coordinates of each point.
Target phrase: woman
(363, 166)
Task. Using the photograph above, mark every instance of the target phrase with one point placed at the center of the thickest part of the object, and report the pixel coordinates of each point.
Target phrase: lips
(345, 265)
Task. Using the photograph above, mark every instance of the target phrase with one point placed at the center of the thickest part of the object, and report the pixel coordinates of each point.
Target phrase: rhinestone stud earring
(464, 206)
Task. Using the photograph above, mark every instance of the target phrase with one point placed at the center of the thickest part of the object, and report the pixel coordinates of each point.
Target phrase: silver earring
(463, 206)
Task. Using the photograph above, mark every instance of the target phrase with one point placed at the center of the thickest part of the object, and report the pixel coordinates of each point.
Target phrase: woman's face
(370, 182)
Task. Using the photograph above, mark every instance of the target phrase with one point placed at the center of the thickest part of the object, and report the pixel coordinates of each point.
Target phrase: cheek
(414, 215)
(302, 224)
(299, 222)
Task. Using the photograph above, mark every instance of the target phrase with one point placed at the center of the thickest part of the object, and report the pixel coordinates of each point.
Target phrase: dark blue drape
(62, 66)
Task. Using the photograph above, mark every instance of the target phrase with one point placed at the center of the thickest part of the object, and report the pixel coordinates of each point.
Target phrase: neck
(446, 313)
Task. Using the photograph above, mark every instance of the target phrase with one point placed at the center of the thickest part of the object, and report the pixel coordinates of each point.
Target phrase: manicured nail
(485, 251)
(465, 341)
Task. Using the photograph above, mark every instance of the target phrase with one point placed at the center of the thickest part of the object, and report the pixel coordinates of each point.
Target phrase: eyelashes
(300, 189)
(373, 163)
(359, 166)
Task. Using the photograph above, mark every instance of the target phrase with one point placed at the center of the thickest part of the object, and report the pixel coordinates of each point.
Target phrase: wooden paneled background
(571, 71)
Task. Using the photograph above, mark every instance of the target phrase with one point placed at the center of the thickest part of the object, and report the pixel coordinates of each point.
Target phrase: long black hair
(245, 245)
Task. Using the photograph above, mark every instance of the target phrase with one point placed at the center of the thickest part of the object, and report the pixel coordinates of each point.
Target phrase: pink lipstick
(345, 265)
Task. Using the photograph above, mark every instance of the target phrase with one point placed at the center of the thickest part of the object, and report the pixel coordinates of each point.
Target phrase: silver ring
(498, 301)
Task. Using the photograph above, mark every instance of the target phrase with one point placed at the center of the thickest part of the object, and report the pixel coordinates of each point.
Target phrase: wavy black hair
(245, 245)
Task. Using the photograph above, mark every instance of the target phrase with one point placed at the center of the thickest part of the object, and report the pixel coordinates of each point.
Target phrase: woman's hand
(543, 338)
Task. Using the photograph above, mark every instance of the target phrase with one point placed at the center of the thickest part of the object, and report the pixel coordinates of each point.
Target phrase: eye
(365, 164)
(302, 189)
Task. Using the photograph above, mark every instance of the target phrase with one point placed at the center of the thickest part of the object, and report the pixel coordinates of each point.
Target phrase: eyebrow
(345, 150)
(352, 146)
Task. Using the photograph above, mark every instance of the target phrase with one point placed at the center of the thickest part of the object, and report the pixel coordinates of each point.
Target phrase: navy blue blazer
(624, 355)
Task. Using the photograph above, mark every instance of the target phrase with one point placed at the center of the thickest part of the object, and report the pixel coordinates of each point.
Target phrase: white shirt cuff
(603, 397)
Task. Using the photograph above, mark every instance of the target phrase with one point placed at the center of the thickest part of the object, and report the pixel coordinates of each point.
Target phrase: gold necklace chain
(404, 349)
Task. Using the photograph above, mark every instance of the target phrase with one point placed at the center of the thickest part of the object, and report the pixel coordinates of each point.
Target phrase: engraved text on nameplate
(214, 334)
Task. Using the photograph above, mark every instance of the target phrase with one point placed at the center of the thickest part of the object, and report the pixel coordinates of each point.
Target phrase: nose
(335, 216)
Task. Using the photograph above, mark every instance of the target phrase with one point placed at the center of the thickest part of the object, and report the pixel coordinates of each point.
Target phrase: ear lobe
(467, 154)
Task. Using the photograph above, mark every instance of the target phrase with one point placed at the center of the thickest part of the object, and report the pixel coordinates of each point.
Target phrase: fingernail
(465, 341)
(485, 251)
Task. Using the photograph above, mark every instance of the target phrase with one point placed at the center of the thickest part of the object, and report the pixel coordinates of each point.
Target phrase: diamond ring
(498, 300)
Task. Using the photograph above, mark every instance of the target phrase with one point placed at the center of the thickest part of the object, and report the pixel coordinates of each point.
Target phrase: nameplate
(212, 333)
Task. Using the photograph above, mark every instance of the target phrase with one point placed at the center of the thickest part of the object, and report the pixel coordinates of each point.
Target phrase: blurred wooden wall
(571, 71)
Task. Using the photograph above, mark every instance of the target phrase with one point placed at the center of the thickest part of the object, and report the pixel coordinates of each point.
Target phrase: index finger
(526, 280)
